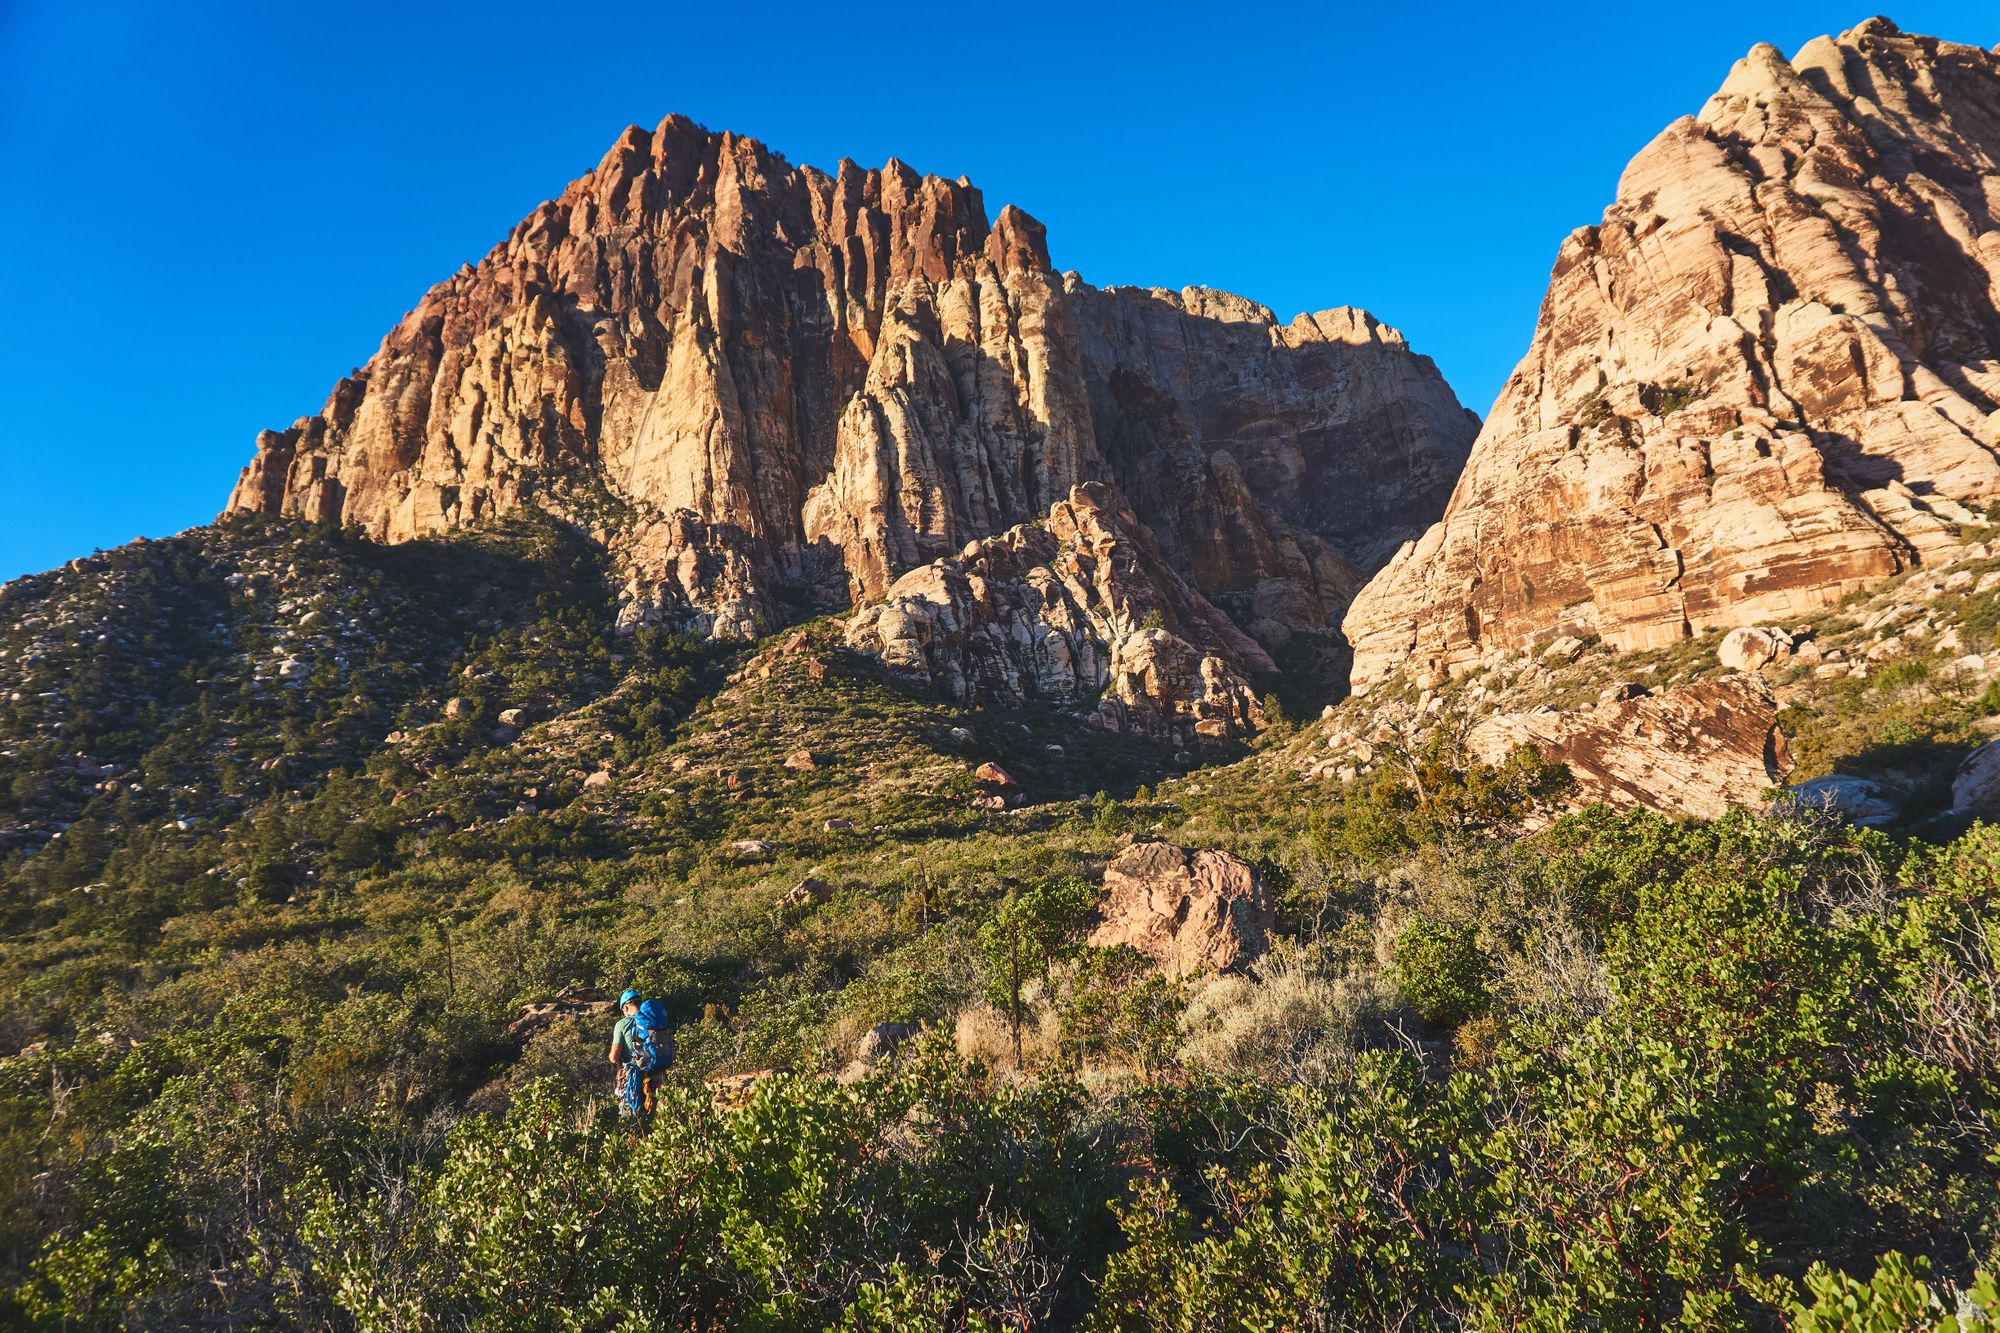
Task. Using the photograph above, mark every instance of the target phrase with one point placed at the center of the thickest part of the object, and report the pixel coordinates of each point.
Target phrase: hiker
(642, 1049)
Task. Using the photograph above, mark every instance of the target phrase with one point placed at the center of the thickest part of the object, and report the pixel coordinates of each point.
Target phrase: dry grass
(983, 1033)
(1294, 1015)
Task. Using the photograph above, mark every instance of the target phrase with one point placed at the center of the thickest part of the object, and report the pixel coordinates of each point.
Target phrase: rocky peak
(766, 387)
(1766, 379)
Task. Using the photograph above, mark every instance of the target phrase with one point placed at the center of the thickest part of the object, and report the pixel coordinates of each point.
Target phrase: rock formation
(1975, 788)
(1072, 610)
(1753, 647)
(1767, 378)
(1692, 750)
(1190, 911)
(768, 388)
(1858, 800)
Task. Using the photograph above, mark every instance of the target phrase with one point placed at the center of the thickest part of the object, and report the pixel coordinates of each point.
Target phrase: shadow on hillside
(1052, 752)
(1918, 772)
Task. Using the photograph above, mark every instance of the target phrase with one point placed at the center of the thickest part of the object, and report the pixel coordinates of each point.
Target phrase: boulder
(749, 849)
(881, 1041)
(514, 717)
(1855, 799)
(1976, 788)
(1190, 911)
(1692, 750)
(601, 778)
(1752, 648)
(802, 761)
(990, 774)
(807, 892)
(456, 706)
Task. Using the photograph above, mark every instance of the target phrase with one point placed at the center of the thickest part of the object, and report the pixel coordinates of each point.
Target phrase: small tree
(1031, 929)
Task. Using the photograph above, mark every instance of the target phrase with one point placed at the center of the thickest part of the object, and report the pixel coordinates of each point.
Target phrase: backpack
(652, 1041)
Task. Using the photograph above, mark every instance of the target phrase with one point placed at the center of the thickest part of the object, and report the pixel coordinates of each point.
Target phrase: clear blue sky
(210, 211)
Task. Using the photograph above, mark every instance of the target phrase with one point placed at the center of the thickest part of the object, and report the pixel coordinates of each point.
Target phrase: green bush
(1442, 972)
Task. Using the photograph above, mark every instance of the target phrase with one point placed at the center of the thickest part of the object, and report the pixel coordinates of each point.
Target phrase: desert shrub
(806, 1208)
(1292, 1017)
(1442, 972)
(1896, 1297)
(1434, 796)
(1117, 1009)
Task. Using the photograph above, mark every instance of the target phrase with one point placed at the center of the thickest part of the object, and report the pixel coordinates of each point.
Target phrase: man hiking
(642, 1049)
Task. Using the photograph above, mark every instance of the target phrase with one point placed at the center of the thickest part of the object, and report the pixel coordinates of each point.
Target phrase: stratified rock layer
(771, 388)
(1694, 750)
(1767, 378)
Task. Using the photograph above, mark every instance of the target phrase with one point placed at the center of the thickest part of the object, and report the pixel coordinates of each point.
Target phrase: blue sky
(213, 210)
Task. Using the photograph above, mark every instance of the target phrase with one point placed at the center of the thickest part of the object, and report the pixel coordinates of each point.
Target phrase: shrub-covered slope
(262, 990)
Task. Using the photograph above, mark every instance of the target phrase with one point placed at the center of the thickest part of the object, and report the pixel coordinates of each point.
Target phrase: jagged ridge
(799, 386)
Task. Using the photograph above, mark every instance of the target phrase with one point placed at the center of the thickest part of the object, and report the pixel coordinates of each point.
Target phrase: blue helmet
(629, 997)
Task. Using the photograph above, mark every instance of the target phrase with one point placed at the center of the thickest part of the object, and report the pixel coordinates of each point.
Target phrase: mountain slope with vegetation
(1621, 1068)
(1027, 970)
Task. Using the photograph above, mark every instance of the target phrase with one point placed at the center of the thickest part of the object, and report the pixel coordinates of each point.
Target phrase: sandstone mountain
(1767, 378)
(769, 390)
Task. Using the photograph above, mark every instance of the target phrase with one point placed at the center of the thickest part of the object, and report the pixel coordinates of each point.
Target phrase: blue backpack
(652, 1041)
(650, 1051)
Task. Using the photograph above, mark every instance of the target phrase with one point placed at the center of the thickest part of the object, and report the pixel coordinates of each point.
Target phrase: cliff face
(1073, 611)
(770, 387)
(1767, 378)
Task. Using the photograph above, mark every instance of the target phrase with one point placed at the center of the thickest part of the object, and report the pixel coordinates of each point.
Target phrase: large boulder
(808, 892)
(1694, 750)
(1855, 799)
(1190, 911)
(881, 1041)
(990, 774)
(1752, 647)
(1976, 789)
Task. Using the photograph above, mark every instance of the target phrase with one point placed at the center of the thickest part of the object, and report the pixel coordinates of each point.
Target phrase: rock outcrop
(769, 389)
(1189, 911)
(1975, 788)
(1753, 647)
(1079, 610)
(1766, 379)
(575, 1003)
(1858, 800)
(1692, 750)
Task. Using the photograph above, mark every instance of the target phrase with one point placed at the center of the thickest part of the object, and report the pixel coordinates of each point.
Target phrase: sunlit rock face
(771, 390)
(1767, 378)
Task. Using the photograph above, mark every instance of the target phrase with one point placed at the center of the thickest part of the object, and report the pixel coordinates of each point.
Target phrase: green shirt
(625, 1036)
